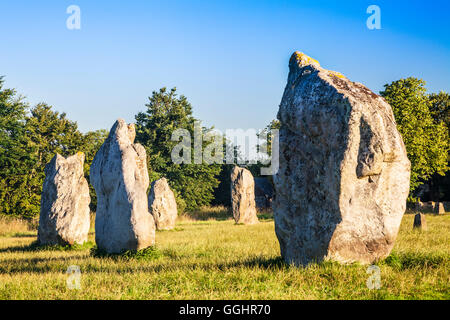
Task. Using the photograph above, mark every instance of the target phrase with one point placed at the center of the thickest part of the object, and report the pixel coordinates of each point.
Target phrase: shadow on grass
(34, 246)
(276, 263)
(223, 214)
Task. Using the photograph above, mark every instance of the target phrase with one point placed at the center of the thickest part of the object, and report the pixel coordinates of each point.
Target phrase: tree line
(31, 135)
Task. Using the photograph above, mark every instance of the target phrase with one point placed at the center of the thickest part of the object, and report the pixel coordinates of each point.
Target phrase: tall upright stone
(439, 208)
(419, 221)
(343, 174)
(162, 205)
(243, 196)
(64, 217)
(120, 178)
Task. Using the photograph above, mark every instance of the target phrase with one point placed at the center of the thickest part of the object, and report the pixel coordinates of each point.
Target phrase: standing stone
(420, 222)
(120, 178)
(65, 199)
(439, 208)
(431, 206)
(428, 206)
(343, 174)
(162, 205)
(446, 206)
(243, 196)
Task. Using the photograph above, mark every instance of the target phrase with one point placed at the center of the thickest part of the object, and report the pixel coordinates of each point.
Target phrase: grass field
(209, 257)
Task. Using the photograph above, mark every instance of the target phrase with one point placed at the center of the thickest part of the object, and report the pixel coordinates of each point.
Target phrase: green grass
(211, 258)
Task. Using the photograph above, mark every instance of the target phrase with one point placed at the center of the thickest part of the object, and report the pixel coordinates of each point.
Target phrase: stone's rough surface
(420, 222)
(65, 202)
(120, 178)
(439, 208)
(243, 196)
(162, 205)
(343, 180)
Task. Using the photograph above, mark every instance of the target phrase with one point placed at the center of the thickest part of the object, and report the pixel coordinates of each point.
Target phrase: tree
(193, 184)
(29, 139)
(439, 186)
(93, 140)
(440, 108)
(47, 132)
(426, 140)
(14, 158)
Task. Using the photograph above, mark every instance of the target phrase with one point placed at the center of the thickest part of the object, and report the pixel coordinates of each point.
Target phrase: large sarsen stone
(162, 205)
(120, 178)
(243, 196)
(343, 180)
(65, 199)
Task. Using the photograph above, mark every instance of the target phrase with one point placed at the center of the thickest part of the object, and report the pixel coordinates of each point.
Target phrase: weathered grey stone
(420, 222)
(243, 196)
(120, 178)
(65, 199)
(439, 208)
(162, 205)
(343, 180)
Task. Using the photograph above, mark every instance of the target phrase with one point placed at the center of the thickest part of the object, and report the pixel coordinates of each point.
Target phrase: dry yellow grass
(14, 226)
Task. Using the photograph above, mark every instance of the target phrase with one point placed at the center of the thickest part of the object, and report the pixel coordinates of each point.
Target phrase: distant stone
(243, 196)
(420, 221)
(343, 176)
(446, 206)
(419, 206)
(439, 208)
(120, 178)
(429, 206)
(162, 205)
(263, 193)
(65, 199)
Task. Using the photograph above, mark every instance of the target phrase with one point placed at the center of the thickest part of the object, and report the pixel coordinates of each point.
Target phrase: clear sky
(230, 58)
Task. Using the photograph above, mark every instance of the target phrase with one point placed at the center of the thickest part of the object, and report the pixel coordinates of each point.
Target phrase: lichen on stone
(303, 60)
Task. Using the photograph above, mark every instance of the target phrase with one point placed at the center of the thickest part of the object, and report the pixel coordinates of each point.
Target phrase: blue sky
(230, 58)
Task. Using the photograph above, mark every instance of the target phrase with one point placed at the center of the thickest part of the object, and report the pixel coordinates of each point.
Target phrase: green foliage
(222, 194)
(426, 140)
(166, 112)
(267, 132)
(29, 139)
(440, 107)
(411, 260)
(93, 140)
(16, 191)
(265, 135)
